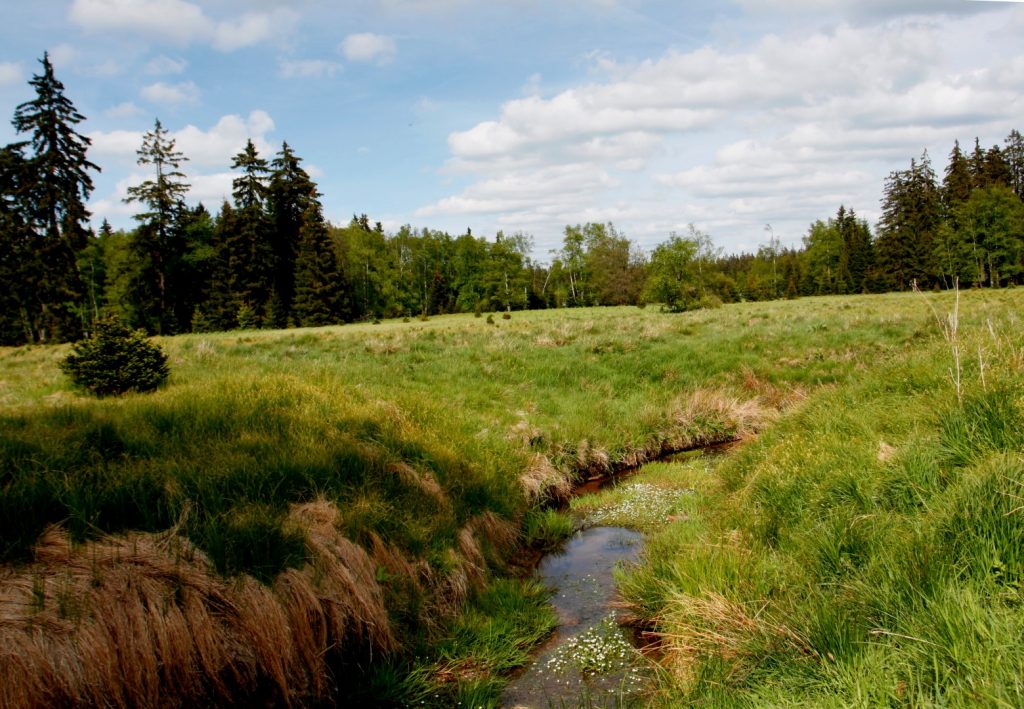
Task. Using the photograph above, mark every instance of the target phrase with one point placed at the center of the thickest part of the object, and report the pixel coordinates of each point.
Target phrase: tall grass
(431, 441)
(866, 550)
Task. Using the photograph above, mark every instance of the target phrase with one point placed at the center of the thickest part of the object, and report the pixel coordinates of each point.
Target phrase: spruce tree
(953, 255)
(158, 243)
(290, 193)
(319, 289)
(57, 190)
(995, 170)
(220, 308)
(908, 229)
(250, 254)
(19, 263)
(1014, 154)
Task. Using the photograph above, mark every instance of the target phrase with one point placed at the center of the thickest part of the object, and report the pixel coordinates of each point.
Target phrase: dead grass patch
(145, 620)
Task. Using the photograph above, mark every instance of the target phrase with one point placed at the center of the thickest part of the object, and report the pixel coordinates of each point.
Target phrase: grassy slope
(867, 549)
(413, 430)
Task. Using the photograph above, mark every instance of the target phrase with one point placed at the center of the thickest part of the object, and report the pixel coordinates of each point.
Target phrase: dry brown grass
(542, 480)
(713, 625)
(144, 620)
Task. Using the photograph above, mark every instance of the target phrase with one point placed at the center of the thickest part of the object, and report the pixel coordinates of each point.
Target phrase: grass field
(368, 483)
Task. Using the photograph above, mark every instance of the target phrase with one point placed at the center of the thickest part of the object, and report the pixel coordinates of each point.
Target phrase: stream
(589, 657)
(589, 660)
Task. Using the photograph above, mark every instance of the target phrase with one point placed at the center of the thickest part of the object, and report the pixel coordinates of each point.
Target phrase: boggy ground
(284, 470)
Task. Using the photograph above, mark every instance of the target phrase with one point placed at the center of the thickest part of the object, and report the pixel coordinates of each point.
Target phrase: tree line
(268, 257)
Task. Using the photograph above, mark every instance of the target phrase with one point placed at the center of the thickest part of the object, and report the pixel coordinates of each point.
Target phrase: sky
(749, 119)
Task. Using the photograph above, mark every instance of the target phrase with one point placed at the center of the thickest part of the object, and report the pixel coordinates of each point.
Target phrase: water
(589, 658)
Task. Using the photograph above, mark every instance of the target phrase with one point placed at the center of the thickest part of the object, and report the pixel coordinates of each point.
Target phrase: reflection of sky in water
(581, 579)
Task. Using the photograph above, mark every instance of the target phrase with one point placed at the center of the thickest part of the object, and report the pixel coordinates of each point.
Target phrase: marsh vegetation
(304, 512)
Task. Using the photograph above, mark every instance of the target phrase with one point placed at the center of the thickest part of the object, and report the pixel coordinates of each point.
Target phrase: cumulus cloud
(369, 47)
(213, 147)
(307, 68)
(785, 130)
(180, 22)
(171, 94)
(175, 21)
(10, 73)
(209, 154)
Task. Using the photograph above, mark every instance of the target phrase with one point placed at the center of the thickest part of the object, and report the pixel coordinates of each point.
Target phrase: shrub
(116, 360)
(506, 315)
(710, 302)
(490, 319)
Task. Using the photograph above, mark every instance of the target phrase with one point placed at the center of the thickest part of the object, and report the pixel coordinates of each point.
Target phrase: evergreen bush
(116, 360)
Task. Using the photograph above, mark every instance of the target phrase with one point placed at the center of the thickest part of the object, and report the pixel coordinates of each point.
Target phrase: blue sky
(527, 115)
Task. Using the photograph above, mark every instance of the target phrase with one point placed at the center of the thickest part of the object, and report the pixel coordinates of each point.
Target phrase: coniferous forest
(268, 258)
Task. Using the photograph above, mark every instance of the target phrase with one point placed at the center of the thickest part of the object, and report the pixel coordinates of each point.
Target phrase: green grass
(866, 550)
(417, 431)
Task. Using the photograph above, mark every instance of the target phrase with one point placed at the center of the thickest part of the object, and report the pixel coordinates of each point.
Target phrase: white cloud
(174, 21)
(10, 73)
(252, 28)
(204, 148)
(171, 94)
(307, 68)
(781, 132)
(123, 110)
(163, 65)
(207, 169)
(181, 23)
(369, 47)
(62, 55)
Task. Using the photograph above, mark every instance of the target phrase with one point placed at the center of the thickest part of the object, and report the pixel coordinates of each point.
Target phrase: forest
(269, 259)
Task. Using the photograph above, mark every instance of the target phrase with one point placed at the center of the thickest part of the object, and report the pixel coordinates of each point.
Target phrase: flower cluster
(640, 504)
(601, 649)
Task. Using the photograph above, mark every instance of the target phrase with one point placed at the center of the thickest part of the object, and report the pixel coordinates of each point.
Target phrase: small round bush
(116, 360)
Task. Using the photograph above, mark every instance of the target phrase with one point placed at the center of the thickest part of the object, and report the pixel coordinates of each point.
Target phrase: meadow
(304, 512)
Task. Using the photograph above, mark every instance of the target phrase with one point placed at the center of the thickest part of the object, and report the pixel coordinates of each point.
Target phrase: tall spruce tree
(954, 256)
(57, 189)
(158, 243)
(290, 193)
(320, 292)
(19, 263)
(907, 231)
(250, 253)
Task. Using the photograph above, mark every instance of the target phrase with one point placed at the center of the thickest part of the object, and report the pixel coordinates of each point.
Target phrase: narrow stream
(589, 660)
(589, 657)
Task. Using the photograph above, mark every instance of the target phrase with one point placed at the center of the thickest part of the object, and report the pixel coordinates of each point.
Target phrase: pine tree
(290, 193)
(319, 289)
(58, 189)
(158, 242)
